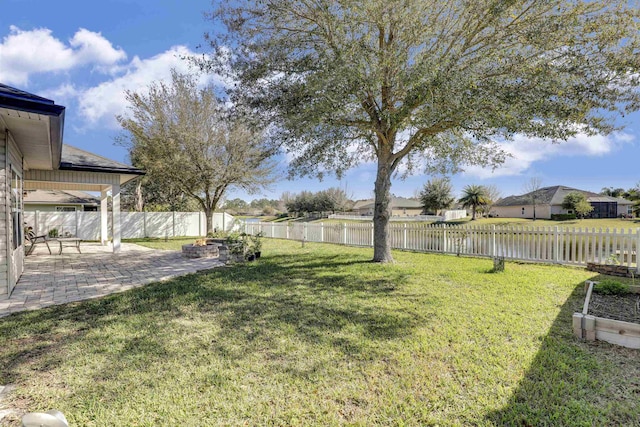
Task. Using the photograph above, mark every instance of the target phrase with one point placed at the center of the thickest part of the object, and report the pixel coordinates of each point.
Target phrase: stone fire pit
(207, 251)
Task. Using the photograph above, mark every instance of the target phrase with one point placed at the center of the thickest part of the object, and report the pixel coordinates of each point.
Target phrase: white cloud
(526, 151)
(23, 53)
(93, 48)
(62, 95)
(100, 104)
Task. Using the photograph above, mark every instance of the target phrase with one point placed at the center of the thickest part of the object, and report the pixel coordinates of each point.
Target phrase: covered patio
(85, 171)
(59, 279)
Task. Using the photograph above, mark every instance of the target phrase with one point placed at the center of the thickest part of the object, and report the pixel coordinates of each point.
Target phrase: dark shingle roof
(553, 196)
(10, 97)
(74, 158)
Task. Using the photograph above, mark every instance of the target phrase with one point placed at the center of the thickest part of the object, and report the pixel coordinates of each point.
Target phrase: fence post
(493, 241)
(637, 251)
(344, 233)
(304, 232)
(322, 232)
(36, 224)
(174, 223)
(144, 223)
(287, 231)
(556, 246)
(373, 237)
(444, 238)
(404, 237)
(76, 214)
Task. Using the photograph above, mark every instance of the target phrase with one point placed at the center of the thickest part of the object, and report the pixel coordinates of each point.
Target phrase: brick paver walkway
(58, 279)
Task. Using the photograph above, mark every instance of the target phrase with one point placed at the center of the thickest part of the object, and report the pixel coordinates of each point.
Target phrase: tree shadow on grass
(316, 299)
(574, 383)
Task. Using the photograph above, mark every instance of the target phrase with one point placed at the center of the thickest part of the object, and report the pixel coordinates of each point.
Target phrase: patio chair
(32, 240)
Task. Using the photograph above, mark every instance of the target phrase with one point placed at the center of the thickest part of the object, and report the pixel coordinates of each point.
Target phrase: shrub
(611, 287)
(563, 217)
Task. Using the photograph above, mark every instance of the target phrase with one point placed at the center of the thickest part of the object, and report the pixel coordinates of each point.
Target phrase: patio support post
(104, 218)
(115, 193)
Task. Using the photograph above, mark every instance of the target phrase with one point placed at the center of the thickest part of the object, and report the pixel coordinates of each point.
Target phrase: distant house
(399, 207)
(549, 202)
(59, 201)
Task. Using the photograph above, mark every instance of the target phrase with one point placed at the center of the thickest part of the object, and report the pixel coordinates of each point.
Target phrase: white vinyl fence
(447, 216)
(86, 225)
(540, 244)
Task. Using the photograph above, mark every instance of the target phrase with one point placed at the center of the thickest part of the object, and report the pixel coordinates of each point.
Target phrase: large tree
(425, 82)
(436, 195)
(577, 202)
(182, 135)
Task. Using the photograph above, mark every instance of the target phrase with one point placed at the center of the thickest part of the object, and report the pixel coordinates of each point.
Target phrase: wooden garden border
(593, 328)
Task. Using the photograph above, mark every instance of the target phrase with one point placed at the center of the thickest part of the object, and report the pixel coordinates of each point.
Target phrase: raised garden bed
(610, 269)
(611, 318)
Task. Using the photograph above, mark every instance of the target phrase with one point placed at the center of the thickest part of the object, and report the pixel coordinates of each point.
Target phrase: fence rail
(86, 225)
(557, 245)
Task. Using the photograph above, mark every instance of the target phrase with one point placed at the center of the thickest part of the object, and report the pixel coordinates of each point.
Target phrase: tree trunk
(473, 212)
(382, 213)
(139, 200)
(208, 213)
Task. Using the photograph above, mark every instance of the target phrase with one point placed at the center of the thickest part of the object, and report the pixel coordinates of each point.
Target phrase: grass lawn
(320, 336)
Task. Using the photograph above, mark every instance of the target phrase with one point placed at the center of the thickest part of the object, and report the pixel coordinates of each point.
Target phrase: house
(33, 157)
(59, 201)
(399, 207)
(548, 202)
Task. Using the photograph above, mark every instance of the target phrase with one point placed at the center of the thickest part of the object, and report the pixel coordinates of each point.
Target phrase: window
(16, 208)
(65, 208)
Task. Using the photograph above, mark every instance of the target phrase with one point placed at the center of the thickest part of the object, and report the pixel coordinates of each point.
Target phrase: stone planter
(206, 251)
(223, 251)
(216, 241)
(610, 269)
(593, 328)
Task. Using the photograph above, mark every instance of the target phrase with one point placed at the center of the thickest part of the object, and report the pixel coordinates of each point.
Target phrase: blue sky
(84, 54)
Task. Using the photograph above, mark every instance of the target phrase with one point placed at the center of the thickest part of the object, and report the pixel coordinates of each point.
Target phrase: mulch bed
(617, 307)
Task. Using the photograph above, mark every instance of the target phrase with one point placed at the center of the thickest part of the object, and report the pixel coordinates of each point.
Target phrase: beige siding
(623, 209)
(74, 177)
(542, 211)
(406, 212)
(31, 207)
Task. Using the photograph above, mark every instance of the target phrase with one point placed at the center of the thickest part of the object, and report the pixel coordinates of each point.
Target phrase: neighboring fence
(86, 225)
(540, 244)
(448, 216)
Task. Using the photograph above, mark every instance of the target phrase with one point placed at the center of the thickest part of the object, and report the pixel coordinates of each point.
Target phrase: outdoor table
(67, 241)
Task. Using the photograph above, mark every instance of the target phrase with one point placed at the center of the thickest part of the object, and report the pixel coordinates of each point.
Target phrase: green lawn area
(320, 336)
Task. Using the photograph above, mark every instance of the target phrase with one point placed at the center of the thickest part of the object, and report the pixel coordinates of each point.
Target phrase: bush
(611, 287)
(562, 217)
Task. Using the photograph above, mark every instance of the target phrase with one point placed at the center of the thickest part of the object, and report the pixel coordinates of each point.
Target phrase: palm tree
(474, 196)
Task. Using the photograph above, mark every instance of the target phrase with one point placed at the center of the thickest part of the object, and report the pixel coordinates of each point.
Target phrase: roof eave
(56, 115)
(94, 168)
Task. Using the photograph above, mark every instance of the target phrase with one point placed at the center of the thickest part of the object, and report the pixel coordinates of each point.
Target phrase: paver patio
(58, 279)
